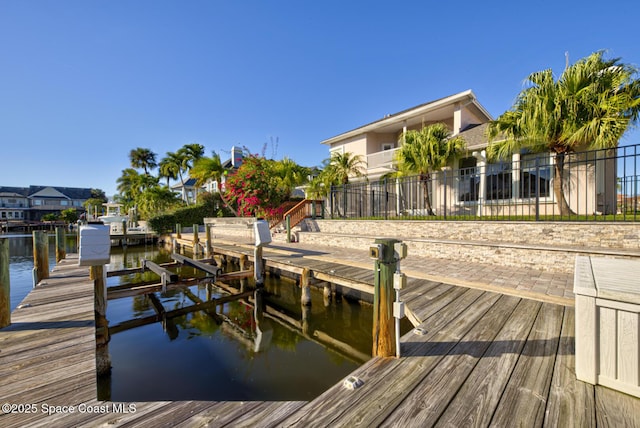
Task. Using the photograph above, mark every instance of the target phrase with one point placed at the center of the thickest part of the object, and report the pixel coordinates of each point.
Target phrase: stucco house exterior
(472, 184)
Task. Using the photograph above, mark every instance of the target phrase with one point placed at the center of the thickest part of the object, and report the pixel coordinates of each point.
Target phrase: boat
(113, 214)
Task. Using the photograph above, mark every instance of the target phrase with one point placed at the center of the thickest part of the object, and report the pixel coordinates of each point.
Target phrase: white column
(482, 162)
(515, 176)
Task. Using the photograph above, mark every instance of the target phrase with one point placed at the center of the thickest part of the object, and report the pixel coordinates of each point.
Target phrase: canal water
(219, 356)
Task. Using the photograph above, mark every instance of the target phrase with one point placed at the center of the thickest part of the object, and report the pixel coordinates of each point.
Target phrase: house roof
(475, 136)
(439, 109)
(47, 192)
(59, 192)
(11, 192)
(190, 182)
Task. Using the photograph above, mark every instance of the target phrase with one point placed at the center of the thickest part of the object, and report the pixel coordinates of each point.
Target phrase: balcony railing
(381, 159)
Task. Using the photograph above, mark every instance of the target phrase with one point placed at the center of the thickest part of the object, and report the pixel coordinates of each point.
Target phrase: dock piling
(384, 343)
(306, 288)
(40, 256)
(103, 360)
(61, 251)
(196, 240)
(209, 244)
(5, 289)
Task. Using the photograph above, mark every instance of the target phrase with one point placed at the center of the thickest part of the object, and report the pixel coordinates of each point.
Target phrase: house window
(387, 146)
(10, 214)
(498, 181)
(535, 170)
(64, 203)
(37, 202)
(4, 214)
(469, 181)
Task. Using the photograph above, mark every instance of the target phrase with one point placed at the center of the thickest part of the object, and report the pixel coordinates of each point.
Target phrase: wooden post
(257, 266)
(40, 256)
(207, 232)
(103, 360)
(124, 233)
(243, 266)
(196, 239)
(178, 231)
(384, 341)
(5, 297)
(288, 223)
(326, 294)
(61, 252)
(306, 289)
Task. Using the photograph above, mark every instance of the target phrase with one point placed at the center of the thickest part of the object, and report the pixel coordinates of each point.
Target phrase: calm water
(207, 356)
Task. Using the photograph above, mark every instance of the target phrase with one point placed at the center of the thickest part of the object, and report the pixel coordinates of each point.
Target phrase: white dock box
(607, 322)
(262, 232)
(95, 245)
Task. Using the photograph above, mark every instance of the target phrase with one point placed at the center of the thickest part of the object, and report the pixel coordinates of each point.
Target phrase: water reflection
(231, 351)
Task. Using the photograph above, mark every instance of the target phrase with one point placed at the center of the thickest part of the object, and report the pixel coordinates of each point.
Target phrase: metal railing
(599, 185)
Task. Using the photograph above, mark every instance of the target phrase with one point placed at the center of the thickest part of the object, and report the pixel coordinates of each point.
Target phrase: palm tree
(590, 106)
(191, 153)
(205, 169)
(425, 151)
(143, 158)
(168, 168)
(341, 166)
(290, 174)
(129, 184)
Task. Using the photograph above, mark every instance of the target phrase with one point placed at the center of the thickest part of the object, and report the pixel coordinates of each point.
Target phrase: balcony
(383, 159)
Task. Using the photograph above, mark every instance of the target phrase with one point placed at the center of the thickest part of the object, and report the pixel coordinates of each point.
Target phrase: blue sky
(84, 82)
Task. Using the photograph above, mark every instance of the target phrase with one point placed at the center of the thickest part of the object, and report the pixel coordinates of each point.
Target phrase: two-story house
(473, 184)
(30, 204)
(377, 141)
(14, 204)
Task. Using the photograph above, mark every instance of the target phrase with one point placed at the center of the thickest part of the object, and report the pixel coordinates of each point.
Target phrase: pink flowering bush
(254, 190)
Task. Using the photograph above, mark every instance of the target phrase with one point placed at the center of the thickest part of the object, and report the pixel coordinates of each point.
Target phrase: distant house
(30, 204)
(475, 184)
(14, 204)
(189, 189)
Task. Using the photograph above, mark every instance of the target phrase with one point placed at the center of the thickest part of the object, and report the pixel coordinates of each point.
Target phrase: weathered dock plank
(477, 399)
(528, 388)
(571, 402)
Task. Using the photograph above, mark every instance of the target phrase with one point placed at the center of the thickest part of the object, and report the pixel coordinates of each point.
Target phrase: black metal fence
(599, 185)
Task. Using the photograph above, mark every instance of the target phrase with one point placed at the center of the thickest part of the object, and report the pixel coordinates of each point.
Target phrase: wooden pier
(479, 358)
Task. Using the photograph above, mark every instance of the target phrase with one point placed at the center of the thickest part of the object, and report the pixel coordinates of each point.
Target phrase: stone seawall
(549, 247)
(602, 235)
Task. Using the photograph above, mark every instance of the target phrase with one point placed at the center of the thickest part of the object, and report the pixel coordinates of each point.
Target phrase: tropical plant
(425, 151)
(168, 169)
(290, 174)
(253, 189)
(590, 106)
(206, 169)
(156, 199)
(129, 185)
(342, 166)
(70, 215)
(143, 158)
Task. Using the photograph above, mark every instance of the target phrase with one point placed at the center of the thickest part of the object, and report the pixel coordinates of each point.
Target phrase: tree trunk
(558, 186)
(425, 179)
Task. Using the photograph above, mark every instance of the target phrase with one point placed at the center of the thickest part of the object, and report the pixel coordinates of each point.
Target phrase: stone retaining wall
(592, 235)
(549, 247)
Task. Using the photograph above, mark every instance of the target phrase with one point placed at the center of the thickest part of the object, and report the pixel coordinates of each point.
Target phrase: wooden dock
(480, 359)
